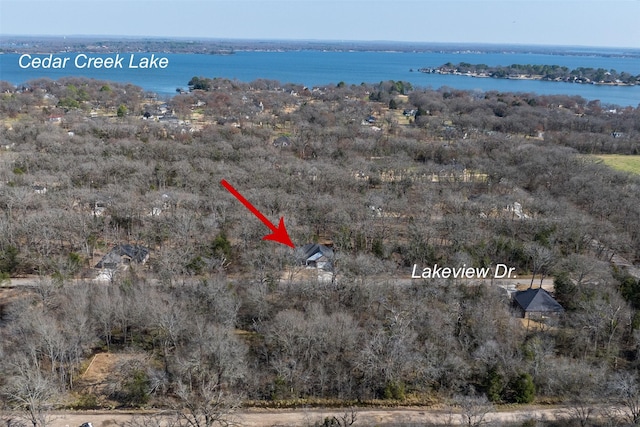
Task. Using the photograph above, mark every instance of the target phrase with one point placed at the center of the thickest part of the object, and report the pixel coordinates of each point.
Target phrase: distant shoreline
(552, 73)
(114, 44)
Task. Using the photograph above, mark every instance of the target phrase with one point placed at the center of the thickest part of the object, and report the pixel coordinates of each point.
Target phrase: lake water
(317, 68)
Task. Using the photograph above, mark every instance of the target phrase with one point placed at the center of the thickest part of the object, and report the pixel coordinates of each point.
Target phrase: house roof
(135, 253)
(537, 300)
(315, 255)
(282, 141)
(314, 251)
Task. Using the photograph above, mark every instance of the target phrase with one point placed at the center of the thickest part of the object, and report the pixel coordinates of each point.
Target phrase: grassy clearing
(622, 162)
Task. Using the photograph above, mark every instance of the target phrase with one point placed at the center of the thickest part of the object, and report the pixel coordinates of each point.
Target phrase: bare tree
(152, 420)
(541, 260)
(625, 389)
(474, 409)
(601, 321)
(349, 418)
(31, 394)
(203, 403)
(579, 383)
(612, 416)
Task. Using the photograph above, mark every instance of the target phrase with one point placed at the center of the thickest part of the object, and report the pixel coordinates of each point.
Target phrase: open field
(622, 162)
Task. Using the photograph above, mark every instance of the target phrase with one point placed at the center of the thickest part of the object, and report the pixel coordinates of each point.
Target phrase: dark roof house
(314, 255)
(124, 255)
(536, 303)
(282, 141)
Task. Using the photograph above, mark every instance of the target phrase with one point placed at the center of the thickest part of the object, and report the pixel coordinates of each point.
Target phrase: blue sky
(614, 23)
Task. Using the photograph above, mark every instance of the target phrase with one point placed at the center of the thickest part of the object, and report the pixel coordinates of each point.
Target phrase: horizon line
(312, 40)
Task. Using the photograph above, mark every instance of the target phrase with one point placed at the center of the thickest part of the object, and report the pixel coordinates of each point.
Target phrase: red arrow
(279, 234)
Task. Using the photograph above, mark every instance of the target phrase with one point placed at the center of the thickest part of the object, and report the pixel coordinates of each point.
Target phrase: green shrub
(280, 390)
(135, 390)
(495, 385)
(394, 390)
(221, 246)
(5, 279)
(196, 265)
(86, 401)
(122, 110)
(522, 388)
(8, 259)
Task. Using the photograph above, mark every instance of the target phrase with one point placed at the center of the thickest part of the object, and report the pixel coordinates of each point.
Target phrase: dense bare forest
(387, 176)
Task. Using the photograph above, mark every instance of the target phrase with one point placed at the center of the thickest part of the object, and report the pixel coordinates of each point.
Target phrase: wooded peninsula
(553, 73)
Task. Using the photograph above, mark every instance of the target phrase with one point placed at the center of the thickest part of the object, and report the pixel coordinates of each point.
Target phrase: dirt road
(308, 417)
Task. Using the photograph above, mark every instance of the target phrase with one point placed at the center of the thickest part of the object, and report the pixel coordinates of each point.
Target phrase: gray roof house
(314, 255)
(282, 141)
(124, 255)
(538, 303)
